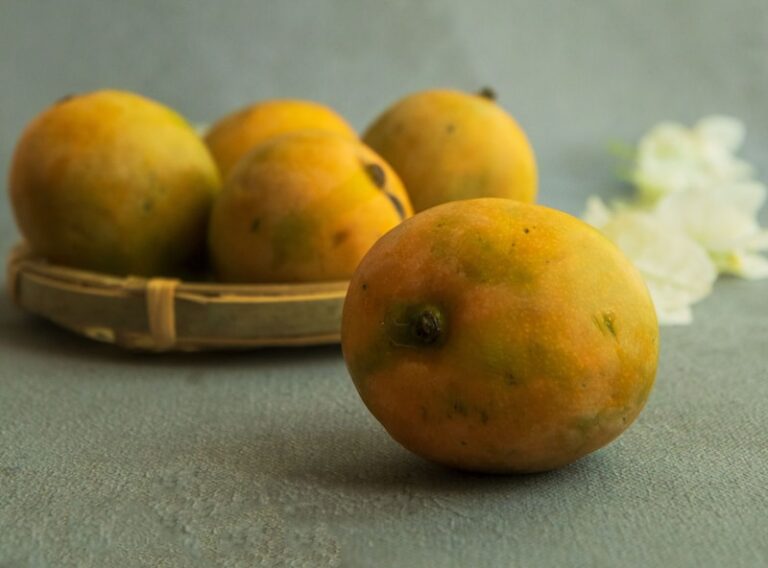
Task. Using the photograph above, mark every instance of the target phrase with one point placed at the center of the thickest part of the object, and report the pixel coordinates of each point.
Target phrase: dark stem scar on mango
(339, 237)
(65, 98)
(398, 205)
(378, 177)
(606, 323)
(487, 93)
(421, 325)
(377, 174)
(609, 320)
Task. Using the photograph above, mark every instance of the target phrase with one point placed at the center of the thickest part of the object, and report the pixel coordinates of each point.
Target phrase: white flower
(723, 220)
(723, 132)
(676, 269)
(672, 158)
(695, 213)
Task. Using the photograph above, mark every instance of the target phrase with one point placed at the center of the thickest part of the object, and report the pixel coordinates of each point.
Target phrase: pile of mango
(279, 191)
(483, 331)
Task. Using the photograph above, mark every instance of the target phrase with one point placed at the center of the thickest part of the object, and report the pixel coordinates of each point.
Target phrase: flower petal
(725, 131)
(596, 213)
(676, 269)
(679, 316)
(719, 220)
(743, 264)
(758, 241)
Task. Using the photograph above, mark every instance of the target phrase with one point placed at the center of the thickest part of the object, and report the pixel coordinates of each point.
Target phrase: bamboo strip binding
(161, 311)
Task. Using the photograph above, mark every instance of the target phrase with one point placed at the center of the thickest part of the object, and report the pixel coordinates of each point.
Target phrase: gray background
(269, 458)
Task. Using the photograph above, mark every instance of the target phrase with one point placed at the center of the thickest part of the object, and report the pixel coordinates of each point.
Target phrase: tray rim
(24, 266)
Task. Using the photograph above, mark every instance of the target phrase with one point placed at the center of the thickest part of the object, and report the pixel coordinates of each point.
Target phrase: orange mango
(113, 182)
(448, 145)
(236, 134)
(498, 336)
(303, 207)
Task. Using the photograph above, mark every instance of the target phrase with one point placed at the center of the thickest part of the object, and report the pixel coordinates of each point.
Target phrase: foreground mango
(497, 336)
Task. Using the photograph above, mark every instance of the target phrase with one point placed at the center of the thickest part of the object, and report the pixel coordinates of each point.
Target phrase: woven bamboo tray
(159, 314)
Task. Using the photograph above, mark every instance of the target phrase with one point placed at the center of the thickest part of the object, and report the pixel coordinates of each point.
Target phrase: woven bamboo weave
(161, 314)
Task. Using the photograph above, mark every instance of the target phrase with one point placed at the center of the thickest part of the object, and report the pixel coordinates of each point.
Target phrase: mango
(497, 336)
(303, 207)
(448, 145)
(114, 182)
(234, 135)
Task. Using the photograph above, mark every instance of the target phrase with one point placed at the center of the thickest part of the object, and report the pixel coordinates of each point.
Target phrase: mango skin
(303, 207)
(113, 182)
(448, 145)
(548, 345)
(234, 135)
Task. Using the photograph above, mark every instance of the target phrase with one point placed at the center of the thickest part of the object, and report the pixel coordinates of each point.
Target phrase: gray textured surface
(269, 458)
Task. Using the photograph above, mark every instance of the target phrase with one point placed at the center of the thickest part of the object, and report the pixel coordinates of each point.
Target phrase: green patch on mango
(292, 239)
